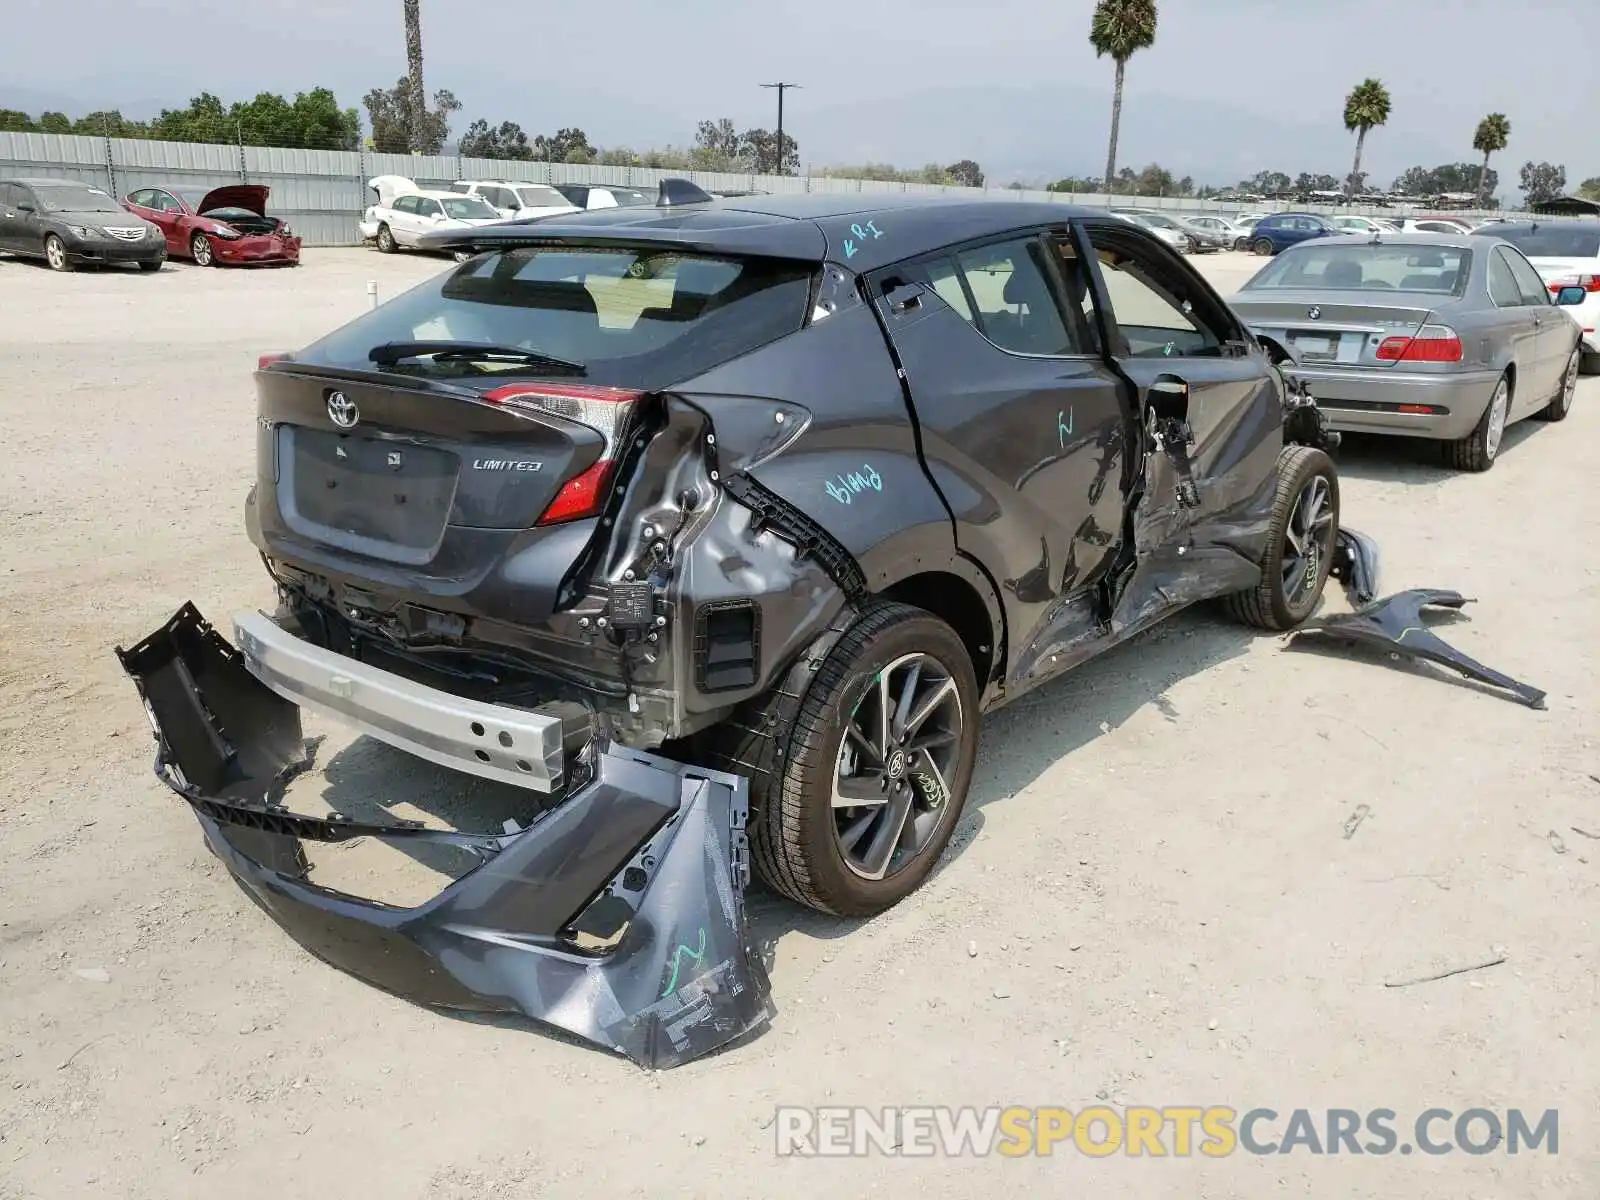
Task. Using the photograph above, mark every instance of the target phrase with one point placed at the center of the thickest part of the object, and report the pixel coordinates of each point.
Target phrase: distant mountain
(34, 101)
(1048, 131)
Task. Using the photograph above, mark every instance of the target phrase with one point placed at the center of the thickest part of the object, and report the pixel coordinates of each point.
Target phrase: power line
(781, 87)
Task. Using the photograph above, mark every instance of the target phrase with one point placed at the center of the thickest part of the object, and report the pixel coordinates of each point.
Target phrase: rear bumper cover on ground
(663, 839)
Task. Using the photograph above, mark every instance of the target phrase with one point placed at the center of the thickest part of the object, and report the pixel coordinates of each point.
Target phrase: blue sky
(1012, 83)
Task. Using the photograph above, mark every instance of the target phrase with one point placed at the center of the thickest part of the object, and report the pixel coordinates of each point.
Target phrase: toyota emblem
(1315, 314)
(342, 410)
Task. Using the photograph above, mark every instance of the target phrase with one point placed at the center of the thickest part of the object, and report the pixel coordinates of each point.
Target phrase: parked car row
(69, 224)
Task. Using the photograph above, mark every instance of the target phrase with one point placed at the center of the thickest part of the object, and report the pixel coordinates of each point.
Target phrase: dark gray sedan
(1421, 335)
(68, 224)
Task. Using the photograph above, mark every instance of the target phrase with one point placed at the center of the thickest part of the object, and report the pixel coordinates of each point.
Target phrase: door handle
(903, 297)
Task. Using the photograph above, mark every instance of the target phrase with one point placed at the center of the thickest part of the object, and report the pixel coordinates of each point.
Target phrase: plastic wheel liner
(664, 839)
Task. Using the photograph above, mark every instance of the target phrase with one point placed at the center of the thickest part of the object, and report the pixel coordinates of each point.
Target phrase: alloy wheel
(202, 250)
(1307, 540)
(1497, 419)
(1569, 386)
(891, 788)
(55, 253)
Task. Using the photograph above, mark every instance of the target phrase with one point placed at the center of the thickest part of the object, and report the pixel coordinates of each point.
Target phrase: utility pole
(782, 87)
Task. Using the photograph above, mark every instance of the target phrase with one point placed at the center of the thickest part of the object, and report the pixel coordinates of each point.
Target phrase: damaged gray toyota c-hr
(715, 527)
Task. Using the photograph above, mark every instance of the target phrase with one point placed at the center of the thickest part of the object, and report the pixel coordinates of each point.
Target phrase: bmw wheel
(1301, 538)
(875, 770)
(1479, 449)
(200, 250)
(55, 253)
(1561, 403)
(386, 241)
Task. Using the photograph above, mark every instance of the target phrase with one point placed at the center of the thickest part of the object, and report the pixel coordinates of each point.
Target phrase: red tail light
(606, 410)
(266, 360)
(1433, 343)
(1589, 283)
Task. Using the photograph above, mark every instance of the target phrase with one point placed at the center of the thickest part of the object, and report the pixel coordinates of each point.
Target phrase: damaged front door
(1210, 418)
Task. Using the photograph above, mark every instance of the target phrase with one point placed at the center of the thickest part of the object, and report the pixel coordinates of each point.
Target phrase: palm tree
(1494, 131)
(415, 107)
(1120, 28)
(1366, 107)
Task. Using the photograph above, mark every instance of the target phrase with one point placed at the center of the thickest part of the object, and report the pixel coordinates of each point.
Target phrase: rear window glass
(1380, 268)
(626, 197)
(1551, 241)
(467, 208)
(541, 197)
(638, 318)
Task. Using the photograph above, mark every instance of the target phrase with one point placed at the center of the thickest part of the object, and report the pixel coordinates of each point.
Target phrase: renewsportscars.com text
(1102, 1131)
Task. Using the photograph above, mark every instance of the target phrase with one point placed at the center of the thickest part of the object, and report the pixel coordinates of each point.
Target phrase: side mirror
(1571, 295)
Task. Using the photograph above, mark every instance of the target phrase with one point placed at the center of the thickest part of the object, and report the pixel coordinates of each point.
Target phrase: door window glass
(1016, 308)
(1529, 283)
(1503, 288)
(1153, 315)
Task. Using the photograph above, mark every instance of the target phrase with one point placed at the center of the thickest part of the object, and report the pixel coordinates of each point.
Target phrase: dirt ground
(1152, 898)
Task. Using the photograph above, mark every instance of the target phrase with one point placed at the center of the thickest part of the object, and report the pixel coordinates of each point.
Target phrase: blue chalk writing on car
(1064, 425)
(867, 231)
(677, 962)
(849, 248)
(845, 488)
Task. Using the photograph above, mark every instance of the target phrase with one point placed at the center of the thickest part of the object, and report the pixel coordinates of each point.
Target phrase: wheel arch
(961, 595)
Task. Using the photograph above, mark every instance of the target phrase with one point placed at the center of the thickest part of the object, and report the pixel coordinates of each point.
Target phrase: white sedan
(405, 212)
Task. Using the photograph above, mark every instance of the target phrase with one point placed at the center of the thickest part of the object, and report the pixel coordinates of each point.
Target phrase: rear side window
(1551, 241)
(1502, 283)
(1012, 298)
(638, 318)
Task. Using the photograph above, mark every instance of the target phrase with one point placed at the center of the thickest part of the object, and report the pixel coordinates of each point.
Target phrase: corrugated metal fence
(322, 193)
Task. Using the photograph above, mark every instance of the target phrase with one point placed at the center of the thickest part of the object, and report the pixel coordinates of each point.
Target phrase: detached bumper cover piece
(1396, 624)
(1355, 565)
(656, 841)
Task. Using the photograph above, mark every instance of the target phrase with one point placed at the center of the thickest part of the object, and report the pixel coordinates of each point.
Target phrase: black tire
(1241, 244)
(200, 250)
(1561, 403)
(150, 266)
(55, 253)
(1480, 448)
(1590, 364)
(1263, 247)
(385, 239)
(1268, 605)
(794, 846)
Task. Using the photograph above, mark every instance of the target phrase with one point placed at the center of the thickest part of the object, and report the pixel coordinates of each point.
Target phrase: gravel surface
(1151, 900)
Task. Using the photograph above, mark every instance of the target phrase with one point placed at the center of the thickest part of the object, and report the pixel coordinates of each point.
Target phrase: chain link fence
(322, 193)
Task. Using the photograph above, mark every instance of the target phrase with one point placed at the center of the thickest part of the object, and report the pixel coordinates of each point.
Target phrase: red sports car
(218, 226)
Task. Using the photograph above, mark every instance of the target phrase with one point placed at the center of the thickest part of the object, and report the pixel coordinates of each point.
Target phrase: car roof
(865, 231)
(53, 181)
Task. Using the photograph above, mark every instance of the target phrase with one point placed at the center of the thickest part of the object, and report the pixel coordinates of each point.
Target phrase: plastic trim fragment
(659, 845)
(1396, 624)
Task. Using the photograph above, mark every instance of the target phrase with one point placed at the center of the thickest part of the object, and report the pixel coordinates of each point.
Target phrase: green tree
(1155, 180)
(966, 172)
(503, 141)
(760, 148)
(1073, 184)
(391, 113)
(1365, 108)
(570, 145)
(14, 120)
(1589, 189)
(1120, 28)
(718, 146)
(1542, 181)
(1493, 132)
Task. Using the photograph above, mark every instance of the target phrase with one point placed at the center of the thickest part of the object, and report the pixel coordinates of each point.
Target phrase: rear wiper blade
(390, 353)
